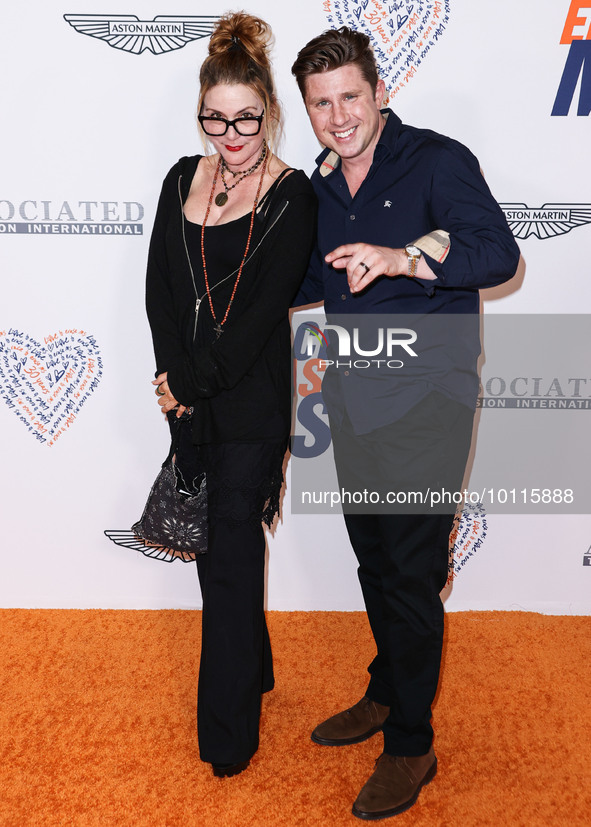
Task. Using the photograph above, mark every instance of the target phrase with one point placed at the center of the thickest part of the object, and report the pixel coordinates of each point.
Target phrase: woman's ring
(363, 264)
(159, 392)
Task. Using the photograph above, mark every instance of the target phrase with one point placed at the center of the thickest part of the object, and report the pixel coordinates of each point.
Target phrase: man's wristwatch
(414, 254)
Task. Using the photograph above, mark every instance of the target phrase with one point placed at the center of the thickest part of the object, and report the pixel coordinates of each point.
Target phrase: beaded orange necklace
(219, 325)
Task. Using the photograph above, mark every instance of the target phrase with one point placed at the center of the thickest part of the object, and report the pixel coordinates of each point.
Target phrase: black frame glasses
(204, 121)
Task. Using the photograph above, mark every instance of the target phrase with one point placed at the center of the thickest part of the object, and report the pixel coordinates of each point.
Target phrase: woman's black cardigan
(243, 378)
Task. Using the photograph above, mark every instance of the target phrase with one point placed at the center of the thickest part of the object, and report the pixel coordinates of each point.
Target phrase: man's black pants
(403, 557)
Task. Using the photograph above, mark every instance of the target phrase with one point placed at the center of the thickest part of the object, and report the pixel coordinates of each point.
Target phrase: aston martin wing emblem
(547, 221)
(126, 31)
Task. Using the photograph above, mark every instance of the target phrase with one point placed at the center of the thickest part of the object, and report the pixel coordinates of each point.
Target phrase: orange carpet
(97, 723)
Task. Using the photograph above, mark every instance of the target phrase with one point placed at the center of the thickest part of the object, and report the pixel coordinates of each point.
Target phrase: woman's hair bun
(238, 31)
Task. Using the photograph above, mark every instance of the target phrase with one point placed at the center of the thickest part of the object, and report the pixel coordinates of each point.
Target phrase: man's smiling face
(345, 112)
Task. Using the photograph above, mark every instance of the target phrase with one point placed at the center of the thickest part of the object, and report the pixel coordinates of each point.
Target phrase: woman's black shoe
(226, 770)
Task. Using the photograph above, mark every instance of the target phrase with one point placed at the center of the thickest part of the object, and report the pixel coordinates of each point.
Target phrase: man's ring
(159, 392)
(363, 264)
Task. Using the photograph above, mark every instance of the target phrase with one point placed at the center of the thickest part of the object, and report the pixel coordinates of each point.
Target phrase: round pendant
(221, 198)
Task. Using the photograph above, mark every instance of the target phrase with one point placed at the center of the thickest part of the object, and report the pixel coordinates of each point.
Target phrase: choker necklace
(263, 159)
(222, 197)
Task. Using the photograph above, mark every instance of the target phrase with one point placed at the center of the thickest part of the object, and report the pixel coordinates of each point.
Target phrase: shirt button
(352, 217)
(346, 373)
(344, 297)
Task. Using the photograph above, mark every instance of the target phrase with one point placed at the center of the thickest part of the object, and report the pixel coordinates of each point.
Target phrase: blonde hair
(238, 53)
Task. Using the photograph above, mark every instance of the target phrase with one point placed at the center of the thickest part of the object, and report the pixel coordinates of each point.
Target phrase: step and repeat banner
(96, 107)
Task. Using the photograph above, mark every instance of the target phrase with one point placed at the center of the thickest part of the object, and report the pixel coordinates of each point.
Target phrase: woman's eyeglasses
(244, 125)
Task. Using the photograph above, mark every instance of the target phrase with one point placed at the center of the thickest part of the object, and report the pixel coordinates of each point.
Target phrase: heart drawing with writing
(46, 385)
(402, 32)
(467, 537)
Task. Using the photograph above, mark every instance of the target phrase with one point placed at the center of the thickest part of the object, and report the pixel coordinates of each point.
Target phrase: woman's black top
(241, 380)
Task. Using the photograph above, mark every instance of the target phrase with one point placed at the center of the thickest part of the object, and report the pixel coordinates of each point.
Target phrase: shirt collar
(329, 160)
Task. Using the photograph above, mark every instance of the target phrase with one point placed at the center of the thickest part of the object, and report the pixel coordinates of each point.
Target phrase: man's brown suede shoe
(395, 785)
(353, 725)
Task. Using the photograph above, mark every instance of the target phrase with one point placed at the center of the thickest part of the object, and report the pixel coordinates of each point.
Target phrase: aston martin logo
(547, 221)
(126, 31)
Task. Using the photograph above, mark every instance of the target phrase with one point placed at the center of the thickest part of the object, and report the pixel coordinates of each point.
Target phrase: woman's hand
(165, 398)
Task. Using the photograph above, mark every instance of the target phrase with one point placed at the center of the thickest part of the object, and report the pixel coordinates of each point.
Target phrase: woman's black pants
(236, 661)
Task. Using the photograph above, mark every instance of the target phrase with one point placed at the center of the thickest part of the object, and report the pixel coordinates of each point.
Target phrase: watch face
(412, 250)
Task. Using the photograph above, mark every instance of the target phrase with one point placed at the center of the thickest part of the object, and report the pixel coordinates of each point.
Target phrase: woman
(230, 246)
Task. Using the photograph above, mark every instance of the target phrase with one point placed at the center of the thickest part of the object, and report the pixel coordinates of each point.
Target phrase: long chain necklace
(222, 197)
(219, 325)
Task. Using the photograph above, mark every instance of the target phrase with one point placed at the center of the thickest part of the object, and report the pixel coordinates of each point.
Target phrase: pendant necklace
(222, 197)
(219, 324)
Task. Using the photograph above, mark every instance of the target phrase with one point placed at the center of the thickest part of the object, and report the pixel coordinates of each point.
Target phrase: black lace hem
(246, 493)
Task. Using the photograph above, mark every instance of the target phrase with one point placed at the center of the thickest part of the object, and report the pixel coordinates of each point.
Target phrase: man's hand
(365, 262)
(165, 398)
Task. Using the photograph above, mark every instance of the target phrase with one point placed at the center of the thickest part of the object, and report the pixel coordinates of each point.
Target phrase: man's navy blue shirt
(419, 181)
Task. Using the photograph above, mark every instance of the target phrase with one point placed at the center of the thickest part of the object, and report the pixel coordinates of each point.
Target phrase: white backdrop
(88, 133)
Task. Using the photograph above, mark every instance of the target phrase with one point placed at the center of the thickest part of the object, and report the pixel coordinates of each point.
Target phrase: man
(381, 187)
